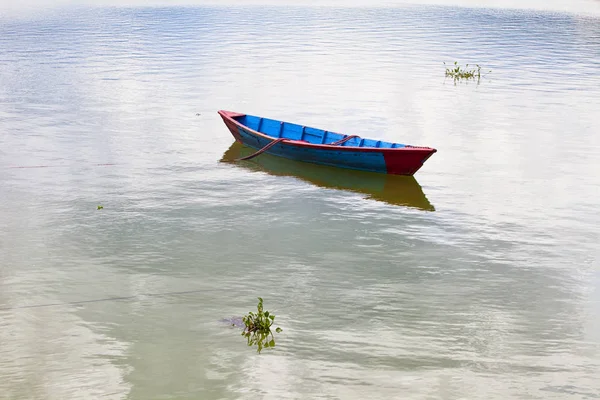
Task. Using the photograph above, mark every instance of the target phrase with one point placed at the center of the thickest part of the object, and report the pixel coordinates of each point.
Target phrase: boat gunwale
(230, 114)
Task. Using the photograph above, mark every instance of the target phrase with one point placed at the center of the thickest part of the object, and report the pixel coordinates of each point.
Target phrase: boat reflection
(392, 189)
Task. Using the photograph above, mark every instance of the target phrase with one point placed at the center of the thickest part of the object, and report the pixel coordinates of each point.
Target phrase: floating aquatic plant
(258, 328)
(458, 73)
(100, 207)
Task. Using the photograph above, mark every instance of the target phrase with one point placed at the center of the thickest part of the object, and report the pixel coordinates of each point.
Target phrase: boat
(303, 143)
(395, 190)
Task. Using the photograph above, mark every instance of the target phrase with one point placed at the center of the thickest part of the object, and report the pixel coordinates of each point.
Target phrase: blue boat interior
(280, 129)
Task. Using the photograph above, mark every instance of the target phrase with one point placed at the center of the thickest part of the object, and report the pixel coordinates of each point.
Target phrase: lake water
(479, 278)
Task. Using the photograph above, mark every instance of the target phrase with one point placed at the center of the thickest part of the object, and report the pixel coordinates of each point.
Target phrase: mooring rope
(119, 298)
(259, 152)
(53, 166)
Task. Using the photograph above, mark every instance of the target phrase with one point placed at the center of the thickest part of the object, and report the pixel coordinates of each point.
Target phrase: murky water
(478, 278)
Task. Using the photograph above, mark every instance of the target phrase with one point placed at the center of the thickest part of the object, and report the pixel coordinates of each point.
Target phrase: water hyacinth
(458, 73)
(257, 327)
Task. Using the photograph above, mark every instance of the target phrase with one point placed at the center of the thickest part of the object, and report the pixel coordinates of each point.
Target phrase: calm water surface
(477, 279)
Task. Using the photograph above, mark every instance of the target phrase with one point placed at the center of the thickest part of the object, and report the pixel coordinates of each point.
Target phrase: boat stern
(407, 161)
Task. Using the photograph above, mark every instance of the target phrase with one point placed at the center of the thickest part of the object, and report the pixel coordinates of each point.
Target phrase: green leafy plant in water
(457, 72)
(258, 328)
(100, 207)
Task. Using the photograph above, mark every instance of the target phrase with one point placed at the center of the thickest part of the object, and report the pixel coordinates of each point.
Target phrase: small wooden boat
(394, 190)
(303, 143)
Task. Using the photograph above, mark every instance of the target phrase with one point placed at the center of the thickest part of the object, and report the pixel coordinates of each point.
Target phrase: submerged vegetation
(258, 328)
(457, 72)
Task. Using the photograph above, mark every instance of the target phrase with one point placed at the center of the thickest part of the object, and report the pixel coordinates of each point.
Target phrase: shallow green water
(478, 278)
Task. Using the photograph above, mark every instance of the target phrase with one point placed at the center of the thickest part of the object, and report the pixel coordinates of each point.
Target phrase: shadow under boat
(392, 189)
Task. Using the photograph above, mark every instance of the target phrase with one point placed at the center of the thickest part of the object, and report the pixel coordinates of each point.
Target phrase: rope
(259, 152)
(71, 303)
(53, 166)
(274, 142)
(344, 140)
